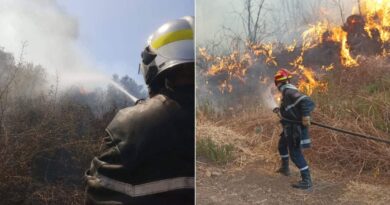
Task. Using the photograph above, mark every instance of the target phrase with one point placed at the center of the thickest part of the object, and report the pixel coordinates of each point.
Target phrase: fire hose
(338, 130)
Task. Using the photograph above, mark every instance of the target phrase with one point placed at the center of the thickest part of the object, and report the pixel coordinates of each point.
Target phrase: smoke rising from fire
(327, 35)
(50, 35)
(290, 17)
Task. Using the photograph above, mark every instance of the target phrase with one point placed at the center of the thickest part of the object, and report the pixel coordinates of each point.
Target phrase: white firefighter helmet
(171, 45)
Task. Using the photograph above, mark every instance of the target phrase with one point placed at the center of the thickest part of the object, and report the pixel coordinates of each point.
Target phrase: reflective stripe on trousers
(304, 168)
(287, 145)
(149, 188)
(305, 141)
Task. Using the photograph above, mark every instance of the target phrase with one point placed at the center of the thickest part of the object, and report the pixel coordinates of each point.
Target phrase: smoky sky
(49, 35)
(285, 18)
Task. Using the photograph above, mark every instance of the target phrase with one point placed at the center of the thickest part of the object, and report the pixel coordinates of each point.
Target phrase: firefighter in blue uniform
(149, 152)
(297, 107)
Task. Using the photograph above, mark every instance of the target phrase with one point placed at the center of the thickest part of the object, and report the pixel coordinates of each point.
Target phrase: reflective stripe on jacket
(294, 106)
(149, 156)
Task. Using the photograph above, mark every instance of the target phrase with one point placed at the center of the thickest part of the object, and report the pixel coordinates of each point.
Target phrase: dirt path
(255, 185)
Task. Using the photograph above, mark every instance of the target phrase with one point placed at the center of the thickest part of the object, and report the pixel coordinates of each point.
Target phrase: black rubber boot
(284, 169)
(305, 183)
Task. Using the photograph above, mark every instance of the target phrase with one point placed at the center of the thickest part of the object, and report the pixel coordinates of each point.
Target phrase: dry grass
(256, 134)
(224, 136)
(45, 153)
(57, 195)
(357, 100)
(48, 135)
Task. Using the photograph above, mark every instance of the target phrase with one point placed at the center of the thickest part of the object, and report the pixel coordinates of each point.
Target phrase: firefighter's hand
(306, 121)
(276, 110)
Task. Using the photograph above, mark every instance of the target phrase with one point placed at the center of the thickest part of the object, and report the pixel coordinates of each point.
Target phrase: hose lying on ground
(351, 133)
(340, 130)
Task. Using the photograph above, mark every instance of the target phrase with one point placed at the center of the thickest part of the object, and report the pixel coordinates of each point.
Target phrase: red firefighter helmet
(282, 75)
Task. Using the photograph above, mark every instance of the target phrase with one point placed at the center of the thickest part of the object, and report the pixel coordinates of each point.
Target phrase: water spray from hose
(268, 98)
(124, 91)
(91, 79)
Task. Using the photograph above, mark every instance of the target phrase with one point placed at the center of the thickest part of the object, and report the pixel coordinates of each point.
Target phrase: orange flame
(377, 17)
(235, 65)
(308, 81)
(374, 16)
(314, 36)
(265, 50)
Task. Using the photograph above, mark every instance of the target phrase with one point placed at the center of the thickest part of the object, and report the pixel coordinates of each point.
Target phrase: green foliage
(221, 154)
(373, 87)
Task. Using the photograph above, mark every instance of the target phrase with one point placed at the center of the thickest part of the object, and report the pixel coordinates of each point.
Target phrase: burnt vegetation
(49, 135)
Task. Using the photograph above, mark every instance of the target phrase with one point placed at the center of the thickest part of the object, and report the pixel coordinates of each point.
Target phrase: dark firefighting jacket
(294, 106)
(149, 155)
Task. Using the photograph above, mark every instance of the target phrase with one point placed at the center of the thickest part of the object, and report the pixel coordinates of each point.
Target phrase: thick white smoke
(50, 34)
(293, 15)
(269, 98)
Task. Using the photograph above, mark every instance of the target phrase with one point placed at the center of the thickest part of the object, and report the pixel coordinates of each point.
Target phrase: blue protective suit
(295, 136)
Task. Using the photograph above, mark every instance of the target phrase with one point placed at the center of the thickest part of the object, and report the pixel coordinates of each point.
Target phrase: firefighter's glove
(306, 121)
(276, 110)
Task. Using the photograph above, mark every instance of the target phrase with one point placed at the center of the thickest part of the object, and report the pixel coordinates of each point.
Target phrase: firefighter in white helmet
(149, 155)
